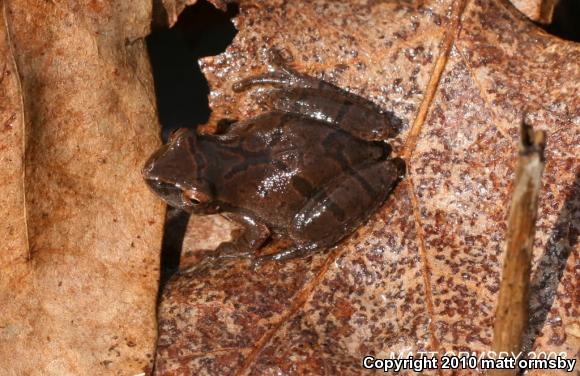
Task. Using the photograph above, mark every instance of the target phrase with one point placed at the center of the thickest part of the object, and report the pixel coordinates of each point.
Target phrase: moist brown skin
(311, 170)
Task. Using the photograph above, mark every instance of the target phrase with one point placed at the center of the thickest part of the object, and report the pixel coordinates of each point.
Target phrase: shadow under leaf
(552, 264)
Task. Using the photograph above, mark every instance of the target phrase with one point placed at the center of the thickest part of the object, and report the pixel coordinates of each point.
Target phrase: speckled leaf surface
(80, 233)
(423, 274)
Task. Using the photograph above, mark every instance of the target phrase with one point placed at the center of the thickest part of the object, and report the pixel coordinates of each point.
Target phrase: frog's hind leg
(346, 201)
(353, 114)
(316, 99)
(340, 207)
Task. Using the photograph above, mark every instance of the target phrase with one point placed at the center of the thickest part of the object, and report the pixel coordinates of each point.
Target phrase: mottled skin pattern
(311, 170)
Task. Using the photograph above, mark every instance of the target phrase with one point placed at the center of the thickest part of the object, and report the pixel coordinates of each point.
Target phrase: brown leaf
(537, 10)
(80, 232)
(423, 274)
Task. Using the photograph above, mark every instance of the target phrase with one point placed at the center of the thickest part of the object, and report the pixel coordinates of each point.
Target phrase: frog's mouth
(170, 193)
(188, 199)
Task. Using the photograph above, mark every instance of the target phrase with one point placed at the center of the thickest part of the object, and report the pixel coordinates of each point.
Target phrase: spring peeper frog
(312, 169)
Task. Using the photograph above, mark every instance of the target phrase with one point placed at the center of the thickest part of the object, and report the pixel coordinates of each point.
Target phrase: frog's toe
(295, 251)
(281, 75)
(277, 79)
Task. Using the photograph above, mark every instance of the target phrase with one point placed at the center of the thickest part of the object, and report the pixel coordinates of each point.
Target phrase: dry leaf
(537, 10)
(80, 232)
(424, 273)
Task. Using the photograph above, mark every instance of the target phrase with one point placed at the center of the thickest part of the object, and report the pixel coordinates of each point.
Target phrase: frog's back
(283, 160)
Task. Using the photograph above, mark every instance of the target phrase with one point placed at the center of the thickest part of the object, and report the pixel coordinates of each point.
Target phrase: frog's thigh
(339, 208)
(345, 202)
(353, 114)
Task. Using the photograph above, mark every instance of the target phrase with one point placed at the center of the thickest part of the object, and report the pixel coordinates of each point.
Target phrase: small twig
(511, 317)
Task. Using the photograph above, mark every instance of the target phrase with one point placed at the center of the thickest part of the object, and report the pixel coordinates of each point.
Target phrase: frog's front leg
(253, 235)
(340, 206)
(307, 96)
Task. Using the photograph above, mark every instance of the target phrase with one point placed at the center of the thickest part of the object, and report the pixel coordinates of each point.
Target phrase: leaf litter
(423, 274)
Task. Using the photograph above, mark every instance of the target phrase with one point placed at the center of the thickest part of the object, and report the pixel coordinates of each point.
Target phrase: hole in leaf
(181, 91)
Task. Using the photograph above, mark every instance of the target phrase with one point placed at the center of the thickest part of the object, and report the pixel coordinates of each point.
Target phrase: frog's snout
(148, 169)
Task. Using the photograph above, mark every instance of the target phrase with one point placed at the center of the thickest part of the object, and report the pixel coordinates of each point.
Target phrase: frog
(311, 169)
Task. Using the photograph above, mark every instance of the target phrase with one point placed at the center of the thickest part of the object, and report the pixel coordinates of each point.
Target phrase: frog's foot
(279, 78)
(281, 75)
(229, 250)
(285, 254)
(225, 251)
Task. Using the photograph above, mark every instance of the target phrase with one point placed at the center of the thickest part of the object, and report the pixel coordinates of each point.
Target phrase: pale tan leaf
(80, 231)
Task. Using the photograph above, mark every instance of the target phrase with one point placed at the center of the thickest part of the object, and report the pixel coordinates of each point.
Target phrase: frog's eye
(194, 201)
(195, 197)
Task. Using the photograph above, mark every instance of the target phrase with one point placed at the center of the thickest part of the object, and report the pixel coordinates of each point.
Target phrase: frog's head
(175, 172)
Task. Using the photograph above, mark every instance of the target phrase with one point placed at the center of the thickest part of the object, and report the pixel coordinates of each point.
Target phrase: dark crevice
(566, 20)
(552, 264)
(181, 89)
